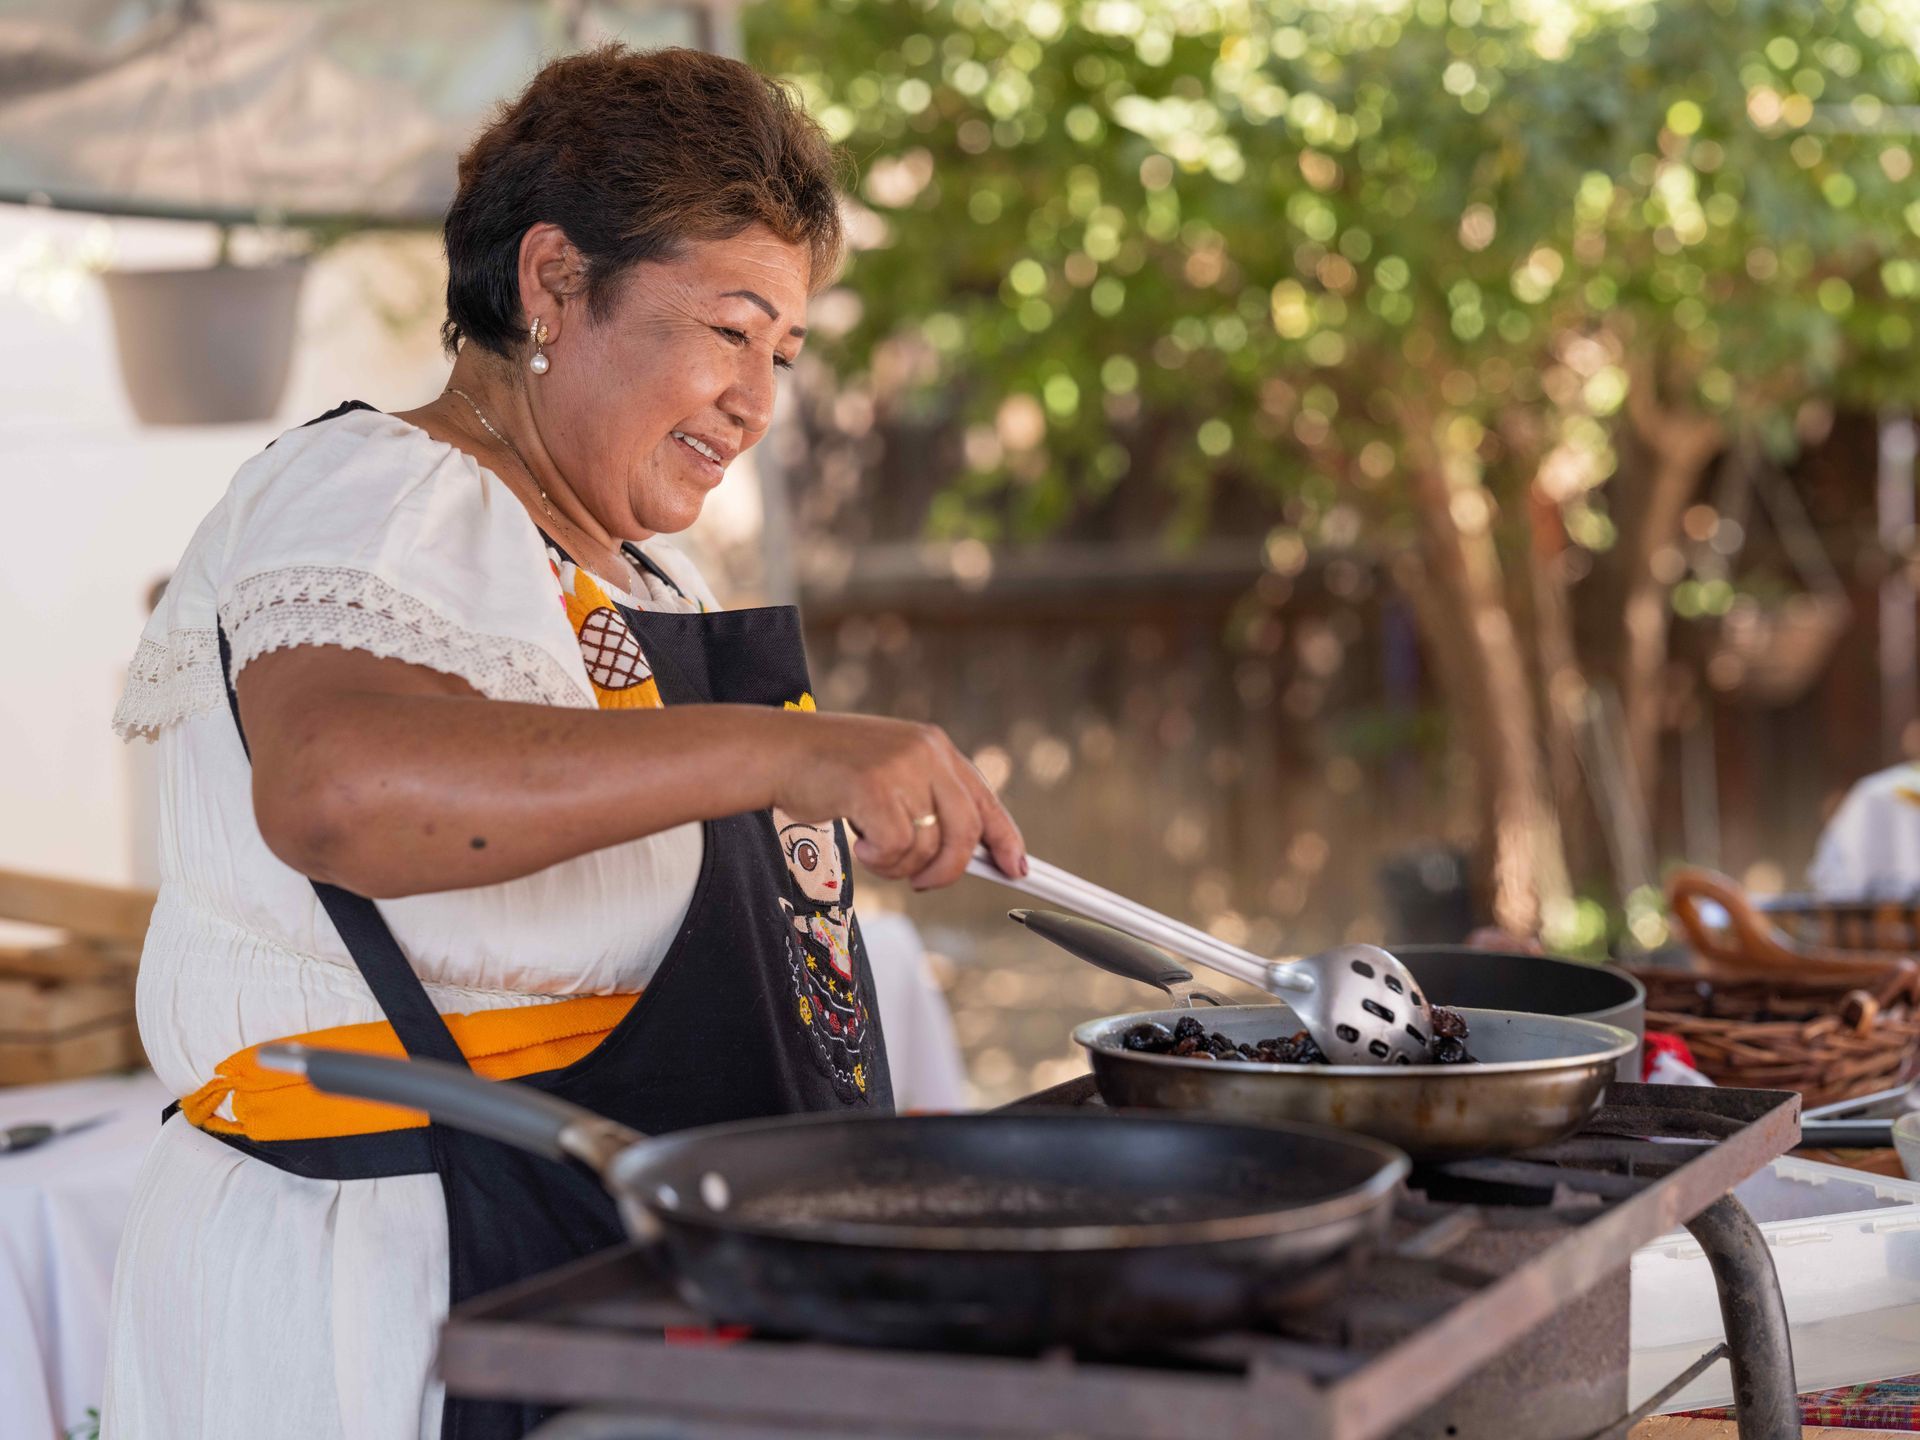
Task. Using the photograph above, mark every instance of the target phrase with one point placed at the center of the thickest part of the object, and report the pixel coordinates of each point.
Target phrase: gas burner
(1497, 1308)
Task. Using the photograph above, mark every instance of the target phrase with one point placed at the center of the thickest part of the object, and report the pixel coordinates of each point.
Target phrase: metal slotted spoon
(1360, 1004)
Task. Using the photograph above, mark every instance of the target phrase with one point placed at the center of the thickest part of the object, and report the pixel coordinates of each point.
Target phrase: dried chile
(1448, 1024)
(1148, 1035)
(1190, 1040)
(1450, 1050)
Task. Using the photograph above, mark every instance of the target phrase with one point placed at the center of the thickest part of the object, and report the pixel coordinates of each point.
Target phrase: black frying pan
(1007, 1231)
(1536, 984)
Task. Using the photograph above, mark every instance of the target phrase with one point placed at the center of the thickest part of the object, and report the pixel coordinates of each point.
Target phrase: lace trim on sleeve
(315, 605)
(169, 682)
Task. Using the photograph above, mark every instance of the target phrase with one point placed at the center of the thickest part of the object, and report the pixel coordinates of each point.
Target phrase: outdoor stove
(1497, 1309)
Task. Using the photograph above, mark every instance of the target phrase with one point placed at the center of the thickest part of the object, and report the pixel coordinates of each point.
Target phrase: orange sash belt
(499, 1044)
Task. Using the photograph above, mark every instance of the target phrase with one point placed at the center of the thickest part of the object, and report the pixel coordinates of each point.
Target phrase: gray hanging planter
(206, 346)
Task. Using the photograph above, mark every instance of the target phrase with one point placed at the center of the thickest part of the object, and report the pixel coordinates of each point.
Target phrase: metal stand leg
(1755, 1318)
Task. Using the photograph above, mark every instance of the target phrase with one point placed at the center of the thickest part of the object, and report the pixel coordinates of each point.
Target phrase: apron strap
(350, 1157)
(376, 954)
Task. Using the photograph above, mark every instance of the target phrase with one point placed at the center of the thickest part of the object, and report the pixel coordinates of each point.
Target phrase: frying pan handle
(518, 1115)
(1845, 1134)
(1112, 950)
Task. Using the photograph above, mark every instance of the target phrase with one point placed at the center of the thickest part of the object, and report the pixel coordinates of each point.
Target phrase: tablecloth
(62, 1207)
(1874, 1405)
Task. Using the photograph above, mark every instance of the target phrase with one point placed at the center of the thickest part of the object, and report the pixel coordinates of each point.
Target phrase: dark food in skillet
(1190, 1040)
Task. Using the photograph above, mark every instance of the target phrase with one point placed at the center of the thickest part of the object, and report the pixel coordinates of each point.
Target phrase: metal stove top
(1498, 1309)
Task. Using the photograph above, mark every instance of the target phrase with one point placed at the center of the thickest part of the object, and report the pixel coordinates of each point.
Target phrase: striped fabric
(1875, 1405)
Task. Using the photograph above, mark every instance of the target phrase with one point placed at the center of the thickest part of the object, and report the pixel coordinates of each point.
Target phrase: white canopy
(279, 110)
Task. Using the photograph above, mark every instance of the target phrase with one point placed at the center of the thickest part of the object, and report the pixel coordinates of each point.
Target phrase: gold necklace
(513, 449)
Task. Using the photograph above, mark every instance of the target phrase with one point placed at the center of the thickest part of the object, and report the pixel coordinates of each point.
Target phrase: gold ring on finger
(924, 822)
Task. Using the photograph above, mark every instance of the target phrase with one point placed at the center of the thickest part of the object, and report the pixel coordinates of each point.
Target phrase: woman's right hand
(880, 775)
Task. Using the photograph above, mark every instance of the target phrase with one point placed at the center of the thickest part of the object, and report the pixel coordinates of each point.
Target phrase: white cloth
(62, 1206)
(923, 1053)
(247, 1301)
(1870, 849)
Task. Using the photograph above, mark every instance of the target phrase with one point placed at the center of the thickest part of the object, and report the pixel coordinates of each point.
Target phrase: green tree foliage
(1756, 203)
(1401, 270)
(1249, 223)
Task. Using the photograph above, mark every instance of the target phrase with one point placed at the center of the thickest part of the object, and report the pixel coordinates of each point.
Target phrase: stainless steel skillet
(1542, 1076)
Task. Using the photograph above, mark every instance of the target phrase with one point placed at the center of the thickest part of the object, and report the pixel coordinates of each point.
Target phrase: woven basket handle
(1755, 943)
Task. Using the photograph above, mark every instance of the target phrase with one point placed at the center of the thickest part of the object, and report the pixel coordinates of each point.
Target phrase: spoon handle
(1111, 949)
(1188, 942)
(1060, 887)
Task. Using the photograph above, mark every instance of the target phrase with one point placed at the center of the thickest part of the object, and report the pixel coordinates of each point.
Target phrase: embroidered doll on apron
(830, 997)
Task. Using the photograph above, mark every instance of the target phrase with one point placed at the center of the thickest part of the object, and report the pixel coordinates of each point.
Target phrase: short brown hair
(632, 153)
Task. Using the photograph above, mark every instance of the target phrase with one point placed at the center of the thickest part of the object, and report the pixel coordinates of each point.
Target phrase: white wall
(94, 507)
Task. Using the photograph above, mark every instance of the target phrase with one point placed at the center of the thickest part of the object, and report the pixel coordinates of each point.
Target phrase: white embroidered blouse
(245, 1295)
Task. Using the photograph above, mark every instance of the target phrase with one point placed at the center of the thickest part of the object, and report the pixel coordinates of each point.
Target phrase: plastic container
(1846, 1246)
(1906, 1143)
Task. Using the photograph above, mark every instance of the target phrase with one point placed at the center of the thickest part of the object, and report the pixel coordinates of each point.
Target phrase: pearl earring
(537, 332)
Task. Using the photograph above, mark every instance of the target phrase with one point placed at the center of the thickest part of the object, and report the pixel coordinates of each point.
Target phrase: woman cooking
(440, 658)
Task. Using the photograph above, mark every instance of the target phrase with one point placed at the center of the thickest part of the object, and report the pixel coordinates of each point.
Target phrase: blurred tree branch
(1496, 281)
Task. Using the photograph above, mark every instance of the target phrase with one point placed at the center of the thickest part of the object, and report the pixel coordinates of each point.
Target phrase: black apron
(763, 1005)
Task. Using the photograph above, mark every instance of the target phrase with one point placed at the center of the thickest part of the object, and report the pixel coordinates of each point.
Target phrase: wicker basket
(1888, 926)
(1765, 1008)
(1772, 656)
(1827, 1041)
